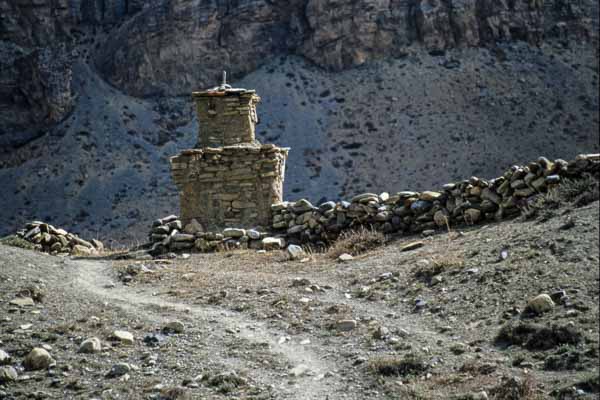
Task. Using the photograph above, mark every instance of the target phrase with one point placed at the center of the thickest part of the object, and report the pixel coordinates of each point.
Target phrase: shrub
(398, 366)
(537, 337)
(578, 192)
(356, 242)
(15, 241)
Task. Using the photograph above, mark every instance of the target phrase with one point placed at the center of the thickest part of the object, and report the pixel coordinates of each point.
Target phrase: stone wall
(226, 118)
(232, 186)
(471, 201)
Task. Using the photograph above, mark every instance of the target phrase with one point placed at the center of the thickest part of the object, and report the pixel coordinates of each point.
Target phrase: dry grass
(356, 242)
(398, 366)
(578, 192)
(514, 388)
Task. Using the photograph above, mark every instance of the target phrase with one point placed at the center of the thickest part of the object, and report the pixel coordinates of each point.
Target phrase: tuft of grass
(398, 366)
(537, 337)
(356, 242)
(15, 241)
(515, 388)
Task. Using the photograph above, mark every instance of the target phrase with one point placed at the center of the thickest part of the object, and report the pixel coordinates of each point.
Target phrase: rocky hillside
(371, 95)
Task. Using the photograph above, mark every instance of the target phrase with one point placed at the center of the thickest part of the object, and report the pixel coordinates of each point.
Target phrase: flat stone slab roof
(221, 92)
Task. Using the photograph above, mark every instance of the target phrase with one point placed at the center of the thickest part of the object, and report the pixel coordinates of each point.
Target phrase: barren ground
(258, 326)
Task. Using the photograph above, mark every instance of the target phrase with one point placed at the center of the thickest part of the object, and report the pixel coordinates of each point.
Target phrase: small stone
(330, 205)
(7, 375)
(22, 302)
(472, 216)
(4, 357)
(558, 296)
(540, 304)
(154, 340)
(420, 304)
(253, 234)
(436, 280)
(91, 345)
(234, 233)
(98, 245)
(412, 246)
(346, 325)
(81, 251)
(441, 219)
(381, 333)
(38, 359)
(124, 337)
(193, 227)
(118, 370)
(174, 327)
(345, 257)
(272, 243)
(299, 370)
(479, 396)
(430, 196)
(295, 252)
(183, 237)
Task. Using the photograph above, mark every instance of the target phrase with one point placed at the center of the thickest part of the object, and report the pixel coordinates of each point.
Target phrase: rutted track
(95, 277)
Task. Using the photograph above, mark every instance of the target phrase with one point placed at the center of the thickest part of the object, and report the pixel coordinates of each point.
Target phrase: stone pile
(169, 235)
(57, 241)
(470, 202)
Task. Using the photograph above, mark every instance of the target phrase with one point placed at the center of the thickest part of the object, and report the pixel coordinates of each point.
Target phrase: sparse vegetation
(15, 241)
(578, 192)
(537, 337)
(514, 388)
(356, 242)
(398, 366)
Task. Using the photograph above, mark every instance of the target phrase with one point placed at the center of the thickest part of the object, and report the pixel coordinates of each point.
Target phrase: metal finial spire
(224, 78)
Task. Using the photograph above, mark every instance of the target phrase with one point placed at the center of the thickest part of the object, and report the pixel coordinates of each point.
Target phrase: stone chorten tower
(230, 179)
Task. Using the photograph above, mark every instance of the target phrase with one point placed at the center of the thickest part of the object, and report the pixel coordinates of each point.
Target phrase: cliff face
(176, 45)
(169, 47)
(39, 41)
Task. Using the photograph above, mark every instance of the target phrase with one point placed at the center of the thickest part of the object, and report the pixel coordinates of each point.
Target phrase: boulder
(38, 359)
(540, 304)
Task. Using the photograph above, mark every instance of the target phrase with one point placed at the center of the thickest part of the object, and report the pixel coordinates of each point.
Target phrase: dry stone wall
(230, 186)
(57, 241)
(471, 201)
(226, 119)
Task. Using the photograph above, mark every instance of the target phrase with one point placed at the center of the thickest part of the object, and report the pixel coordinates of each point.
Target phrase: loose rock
(91, 345)
(38, 359)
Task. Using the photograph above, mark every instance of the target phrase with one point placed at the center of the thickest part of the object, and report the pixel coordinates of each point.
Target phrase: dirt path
(95, 278)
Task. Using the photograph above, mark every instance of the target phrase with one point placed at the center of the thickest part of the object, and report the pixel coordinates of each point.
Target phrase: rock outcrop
(169, 47)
